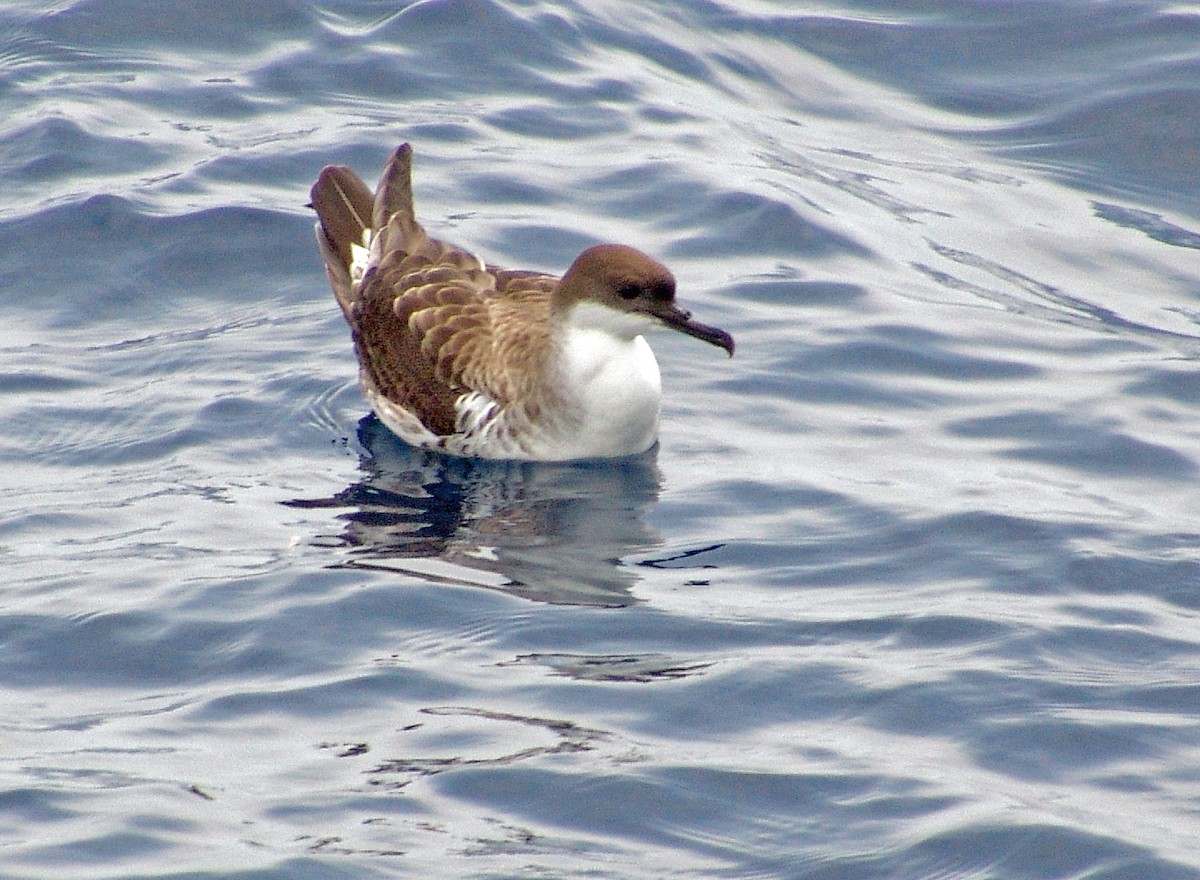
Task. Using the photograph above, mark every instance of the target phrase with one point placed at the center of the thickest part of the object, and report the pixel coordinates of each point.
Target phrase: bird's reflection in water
(550, 532)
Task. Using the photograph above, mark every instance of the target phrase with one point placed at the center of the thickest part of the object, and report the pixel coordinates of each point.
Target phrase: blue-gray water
(910, 588)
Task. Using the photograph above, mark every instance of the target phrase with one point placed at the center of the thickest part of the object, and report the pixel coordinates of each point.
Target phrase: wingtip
(394, 194)
(343, 205)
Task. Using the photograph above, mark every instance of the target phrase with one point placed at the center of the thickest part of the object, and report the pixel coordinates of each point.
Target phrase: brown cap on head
(627, 280)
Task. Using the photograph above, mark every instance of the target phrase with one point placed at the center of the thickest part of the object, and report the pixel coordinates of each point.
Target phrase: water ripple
(907, 588)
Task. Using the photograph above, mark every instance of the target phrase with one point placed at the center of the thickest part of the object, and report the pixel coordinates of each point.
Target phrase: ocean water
(910, 587)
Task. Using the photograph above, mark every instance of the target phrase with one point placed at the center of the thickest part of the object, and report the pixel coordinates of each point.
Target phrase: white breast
(612, 377)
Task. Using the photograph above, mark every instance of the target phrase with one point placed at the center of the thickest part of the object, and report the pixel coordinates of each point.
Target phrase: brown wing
(346, 209)
(343, 204)
(430, 322)
(417, 323)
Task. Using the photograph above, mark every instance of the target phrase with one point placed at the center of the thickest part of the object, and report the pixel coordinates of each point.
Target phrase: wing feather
(432, 324)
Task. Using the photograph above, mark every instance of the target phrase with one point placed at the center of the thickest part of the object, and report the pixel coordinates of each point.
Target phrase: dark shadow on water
(548, 532)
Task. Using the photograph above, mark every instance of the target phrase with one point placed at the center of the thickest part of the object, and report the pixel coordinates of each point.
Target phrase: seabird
(474, 360)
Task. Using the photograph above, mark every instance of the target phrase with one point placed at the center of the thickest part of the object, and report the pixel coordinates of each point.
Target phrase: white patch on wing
(476, 412)
(360, 257)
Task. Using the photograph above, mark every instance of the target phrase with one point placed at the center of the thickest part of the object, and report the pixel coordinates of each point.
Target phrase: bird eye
(628, 291)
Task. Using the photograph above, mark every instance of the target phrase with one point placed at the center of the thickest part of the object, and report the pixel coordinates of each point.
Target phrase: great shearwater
(474, 360)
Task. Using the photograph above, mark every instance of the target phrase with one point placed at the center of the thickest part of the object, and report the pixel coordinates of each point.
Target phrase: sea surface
(910, 587)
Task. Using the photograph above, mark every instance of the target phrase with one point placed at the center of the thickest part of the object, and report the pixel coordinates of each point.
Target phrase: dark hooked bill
(681, 320)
